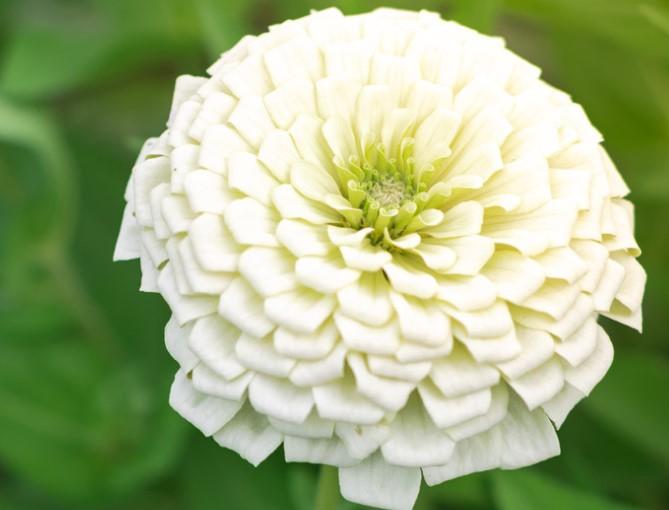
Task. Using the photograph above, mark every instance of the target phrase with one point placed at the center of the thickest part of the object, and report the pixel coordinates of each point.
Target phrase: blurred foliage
(84, 420)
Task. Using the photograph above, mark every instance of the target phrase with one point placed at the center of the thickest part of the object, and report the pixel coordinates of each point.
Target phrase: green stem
(327, 491)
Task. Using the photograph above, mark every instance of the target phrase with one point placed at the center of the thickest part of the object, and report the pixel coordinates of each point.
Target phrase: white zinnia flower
(385, 243)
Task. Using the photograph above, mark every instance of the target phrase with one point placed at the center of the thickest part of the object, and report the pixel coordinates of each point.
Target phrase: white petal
(248, 175)
(539, 385)
(213, 340)
(376, 483)
(127, 244)
(406, 277)
(252, 120)
(446, 412)
(529, 437)
(390, 394)
(259, 355)
(250, 435)
(480, 424)
(312, 181)
(366, 300)
(278, 153)
(466, 293)
(185, 308)
(459, 374)
(562, 263)
(280, 399)
(414, 440)
(537, 348)
(240, 305)
(207, 191)
(561, 404)
(385, 366)
(248, 77)
(252, 223)
(325, 370)
(207, 381)
(207, 413)
(365, 257)
(413, 353)
(311, 346)
(301, 310)
(477, 453)
(325, 274)
(420, 321)
(313, 427)
(492, 322)
(362, 440)
(516, 277)
(554, 298)
(630, 293)
(303, 238)
(580, 344)
(177, 213)
(340, 401)
(145, 177)
(436, 255)
(493, 350)
(218, 142)
(586, 376)
(292, 205)
(268, 270)
(200, 280)
(215, 248)
(289, 100)
(373, 340)
(608, 286)
(176, 342)
(331, 452)
(464, 219)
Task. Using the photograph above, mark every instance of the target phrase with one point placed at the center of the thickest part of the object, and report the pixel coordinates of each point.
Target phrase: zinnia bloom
(386, 243)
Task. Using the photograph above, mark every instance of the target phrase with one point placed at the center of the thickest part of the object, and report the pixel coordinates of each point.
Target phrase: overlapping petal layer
(385, 243)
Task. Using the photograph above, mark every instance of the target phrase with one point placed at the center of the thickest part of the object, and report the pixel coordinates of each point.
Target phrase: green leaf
(633, 401)
(214, 478)
(528, 490)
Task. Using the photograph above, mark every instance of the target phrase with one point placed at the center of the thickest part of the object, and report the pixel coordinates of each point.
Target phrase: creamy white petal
(259, 355)
(292, 205)
(250, 435)
(420, 321)
(311, 346)
(127, 243)
(176, 342)
(251, 223)
(466, 293)
(516, 277)
(331, 451)
(367, 300)
(586, 376)
(373, 340)
(340, 401)
(325, 274)
(280, 399)
(313, 427)
(243, 307)
(459, 374)
(209, 382)
(390, 394)
(529, 437)
(301, 310)
(537, 348)
(302, 238)
(270, 271)
(561, 404)
(414, 440)
(324, 370)
(213, 340)
(249, 176)
(446, 412)
(540, 384)
(407, 278)
(362, 440)
(185, 308)
(376, 483)
(207, 413)
(214, 247)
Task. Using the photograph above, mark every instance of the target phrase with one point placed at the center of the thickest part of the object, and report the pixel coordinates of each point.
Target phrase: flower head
(385, 243)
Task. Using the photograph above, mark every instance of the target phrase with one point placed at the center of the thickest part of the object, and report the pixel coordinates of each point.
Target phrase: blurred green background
(84, 376)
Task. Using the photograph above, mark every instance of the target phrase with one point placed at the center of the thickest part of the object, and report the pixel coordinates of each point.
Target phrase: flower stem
(327, 491)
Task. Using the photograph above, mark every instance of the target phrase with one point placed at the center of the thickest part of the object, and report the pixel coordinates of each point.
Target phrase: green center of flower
(387, 192)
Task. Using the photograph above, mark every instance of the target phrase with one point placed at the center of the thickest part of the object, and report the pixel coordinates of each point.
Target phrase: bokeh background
(84, 376)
